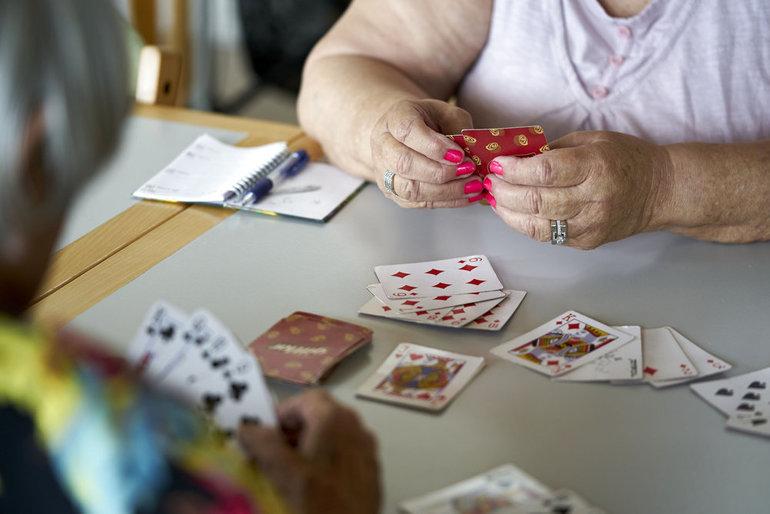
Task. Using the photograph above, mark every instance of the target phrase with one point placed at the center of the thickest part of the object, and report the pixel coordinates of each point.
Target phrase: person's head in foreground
(79, 435)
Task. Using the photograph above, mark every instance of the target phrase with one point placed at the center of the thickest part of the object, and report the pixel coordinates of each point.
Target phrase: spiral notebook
(211, 172)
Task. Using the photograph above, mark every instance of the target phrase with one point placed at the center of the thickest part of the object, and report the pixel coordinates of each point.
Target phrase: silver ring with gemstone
(387, 179)
(558, 232)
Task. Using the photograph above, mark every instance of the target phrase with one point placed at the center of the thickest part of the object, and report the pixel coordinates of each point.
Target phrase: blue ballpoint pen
(289, 168)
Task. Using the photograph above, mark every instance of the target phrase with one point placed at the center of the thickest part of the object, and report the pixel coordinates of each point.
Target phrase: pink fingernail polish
(490, 199)
(473, 187)
(487, 184)
(496, 168)
(474, 199)
(466, 168)
(454, 156)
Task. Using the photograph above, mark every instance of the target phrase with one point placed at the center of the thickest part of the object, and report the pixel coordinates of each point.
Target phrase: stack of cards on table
(483, 145)
(744, 399)
(576, 348)
(196, 358)
(421, 377)
(503, 490)
(303, 348)
(461, 292)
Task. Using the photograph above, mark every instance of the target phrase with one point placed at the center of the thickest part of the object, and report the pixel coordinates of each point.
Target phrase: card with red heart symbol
(421, 377)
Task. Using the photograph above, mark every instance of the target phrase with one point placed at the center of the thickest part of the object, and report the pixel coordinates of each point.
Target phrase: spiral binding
(246, 183)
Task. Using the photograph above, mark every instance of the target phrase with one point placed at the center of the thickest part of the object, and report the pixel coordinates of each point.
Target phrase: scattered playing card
(705, 364)
(429, 304)
(421, 377)
(623, 365)
(471, 274)
(498, 316)
(735, 395)
(303, 348)
(664, 359)
(562, 501)
(498, 490)
(562, 344)
(759, 424)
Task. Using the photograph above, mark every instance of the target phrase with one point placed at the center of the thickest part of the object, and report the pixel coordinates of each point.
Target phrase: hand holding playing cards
(431, 170)
(326, 461)
(607, 186)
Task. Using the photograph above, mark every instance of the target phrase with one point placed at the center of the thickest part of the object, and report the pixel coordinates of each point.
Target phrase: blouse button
(616, 60)
(599, 92)
(624, 32)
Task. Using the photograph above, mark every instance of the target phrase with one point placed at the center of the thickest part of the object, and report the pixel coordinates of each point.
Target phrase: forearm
(718, 192)
(342, 98)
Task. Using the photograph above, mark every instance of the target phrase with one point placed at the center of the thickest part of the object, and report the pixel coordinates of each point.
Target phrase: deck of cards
(576, 348)
(421, 377)
(505, 489)
(483, 145)
(463, 292)
(196, 358)
(303, 348)
(744, 399)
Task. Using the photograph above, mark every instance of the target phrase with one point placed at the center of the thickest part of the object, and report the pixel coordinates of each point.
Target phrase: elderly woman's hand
(430, 169)
(607, 186)
(324, 461)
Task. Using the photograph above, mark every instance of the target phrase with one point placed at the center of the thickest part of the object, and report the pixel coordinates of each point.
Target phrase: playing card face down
(562, 344)
(421, 377)
(303, 348)
(483, 145)
(498, 490)
(461, 275)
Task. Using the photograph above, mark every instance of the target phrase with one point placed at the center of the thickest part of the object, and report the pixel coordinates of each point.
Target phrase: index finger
(564, 167)
(413, 132)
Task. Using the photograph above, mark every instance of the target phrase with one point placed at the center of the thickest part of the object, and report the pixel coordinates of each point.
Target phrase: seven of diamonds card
(422, 377)
(562, 344)
(461, 275)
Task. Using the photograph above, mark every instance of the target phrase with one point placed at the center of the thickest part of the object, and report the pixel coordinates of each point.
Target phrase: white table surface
(147, 146)
(629, 450)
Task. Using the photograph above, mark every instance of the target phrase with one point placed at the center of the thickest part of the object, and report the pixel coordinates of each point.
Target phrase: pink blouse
(681, 70)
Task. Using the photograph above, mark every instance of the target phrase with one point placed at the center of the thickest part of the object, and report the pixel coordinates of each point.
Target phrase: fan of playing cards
(505, 489)
(463, 292)
(196, 358)
(574, 347)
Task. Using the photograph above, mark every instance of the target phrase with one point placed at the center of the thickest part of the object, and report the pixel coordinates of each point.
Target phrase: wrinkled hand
(607, 186)
(324, 461)
(431, 170)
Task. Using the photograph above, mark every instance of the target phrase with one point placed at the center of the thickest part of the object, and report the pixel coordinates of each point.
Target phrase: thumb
(453, 119)
(271, 453)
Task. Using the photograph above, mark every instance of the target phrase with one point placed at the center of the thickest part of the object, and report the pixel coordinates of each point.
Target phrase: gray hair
(63, 60)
